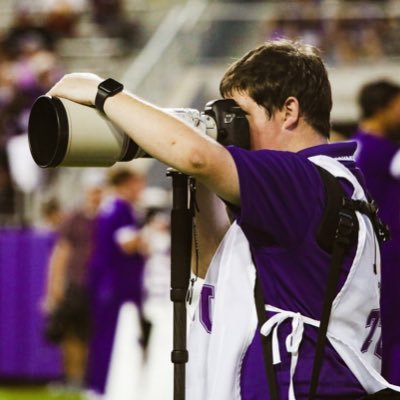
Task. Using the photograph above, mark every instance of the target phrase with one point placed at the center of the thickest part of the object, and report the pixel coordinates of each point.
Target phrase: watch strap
(106, 89)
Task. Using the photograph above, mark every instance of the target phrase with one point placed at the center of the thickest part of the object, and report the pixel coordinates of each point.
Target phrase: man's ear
(291, 113)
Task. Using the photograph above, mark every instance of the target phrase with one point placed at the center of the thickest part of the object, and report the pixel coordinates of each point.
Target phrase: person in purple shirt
(116, 270)
(378, 156)
(275, 191)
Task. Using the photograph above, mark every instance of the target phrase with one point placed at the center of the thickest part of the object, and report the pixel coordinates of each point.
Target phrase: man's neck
(373, 127)
(305, 140)
(121, 194)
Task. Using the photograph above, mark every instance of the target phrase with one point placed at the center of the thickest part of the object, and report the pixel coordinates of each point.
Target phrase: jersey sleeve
(124, 218)
(125, 234)
(281, 195)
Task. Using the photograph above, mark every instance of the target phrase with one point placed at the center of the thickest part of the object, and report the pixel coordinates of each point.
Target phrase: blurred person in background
(61, 17)
(114, 21)
(7, 193)
(156, 228)
(52, 214)
(157, 306)
(378, 156)
(66, 300)
(25, 29)
(116, 270)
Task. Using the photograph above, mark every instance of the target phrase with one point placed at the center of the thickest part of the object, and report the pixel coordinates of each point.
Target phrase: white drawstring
(293, 340)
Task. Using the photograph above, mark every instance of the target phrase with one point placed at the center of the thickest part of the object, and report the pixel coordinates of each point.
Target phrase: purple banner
(24, 354)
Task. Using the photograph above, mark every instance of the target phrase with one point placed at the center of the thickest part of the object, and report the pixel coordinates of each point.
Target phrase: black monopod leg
(181, 242)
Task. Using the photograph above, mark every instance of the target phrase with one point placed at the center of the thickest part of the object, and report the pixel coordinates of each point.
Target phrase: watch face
(111, 86)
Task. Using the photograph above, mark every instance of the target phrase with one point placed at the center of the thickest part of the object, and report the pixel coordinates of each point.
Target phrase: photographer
(277, 196)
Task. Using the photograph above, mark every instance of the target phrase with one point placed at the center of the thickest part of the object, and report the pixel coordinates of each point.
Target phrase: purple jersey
(282, 202)
(115, 278)
(115, 274)
(374, 156)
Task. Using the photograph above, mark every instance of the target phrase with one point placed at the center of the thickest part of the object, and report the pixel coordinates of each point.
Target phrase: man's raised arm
(161, 135)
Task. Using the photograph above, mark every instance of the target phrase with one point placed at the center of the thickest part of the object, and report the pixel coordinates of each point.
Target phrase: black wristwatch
(107, 88)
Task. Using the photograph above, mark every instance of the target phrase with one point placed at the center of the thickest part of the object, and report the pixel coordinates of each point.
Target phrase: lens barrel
(65, 133)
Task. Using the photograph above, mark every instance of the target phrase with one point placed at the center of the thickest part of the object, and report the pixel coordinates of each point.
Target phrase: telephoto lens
(64, 133)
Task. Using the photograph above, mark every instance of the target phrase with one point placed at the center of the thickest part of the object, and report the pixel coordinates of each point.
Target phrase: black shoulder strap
(338, 231)
(334, 204)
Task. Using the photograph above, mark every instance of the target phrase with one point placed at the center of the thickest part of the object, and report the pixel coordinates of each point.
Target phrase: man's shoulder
(344, 150)
(375, 152)
(113, 205)
(267, 158)
(338, 150)
(374, 142)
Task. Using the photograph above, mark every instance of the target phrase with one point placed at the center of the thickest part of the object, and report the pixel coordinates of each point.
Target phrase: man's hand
(78, 87)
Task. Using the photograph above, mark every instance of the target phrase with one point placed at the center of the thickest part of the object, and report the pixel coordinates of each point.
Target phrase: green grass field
(35, 393)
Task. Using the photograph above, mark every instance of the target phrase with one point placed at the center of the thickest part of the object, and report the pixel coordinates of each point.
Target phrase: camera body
(64, 133)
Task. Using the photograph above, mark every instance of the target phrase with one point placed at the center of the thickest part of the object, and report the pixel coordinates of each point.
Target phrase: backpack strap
(337, 233)
(338, 230)
(334, 201)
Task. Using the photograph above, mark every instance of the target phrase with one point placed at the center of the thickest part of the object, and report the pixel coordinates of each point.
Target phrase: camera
(64, 133)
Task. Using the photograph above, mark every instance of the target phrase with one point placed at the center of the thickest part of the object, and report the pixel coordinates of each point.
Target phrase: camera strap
(337, 233)
(194, 208)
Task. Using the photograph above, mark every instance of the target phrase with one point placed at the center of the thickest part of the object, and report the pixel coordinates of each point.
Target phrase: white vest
(215, 357)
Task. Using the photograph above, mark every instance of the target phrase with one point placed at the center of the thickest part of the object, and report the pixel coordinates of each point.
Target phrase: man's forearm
(168, 138)
(57, 273)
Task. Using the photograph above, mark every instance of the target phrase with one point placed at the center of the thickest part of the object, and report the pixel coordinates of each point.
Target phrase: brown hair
(279, 69)
(119, 176)
(376, 96)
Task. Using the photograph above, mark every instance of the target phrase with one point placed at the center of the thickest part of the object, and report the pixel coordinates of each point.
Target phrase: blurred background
(172, 53)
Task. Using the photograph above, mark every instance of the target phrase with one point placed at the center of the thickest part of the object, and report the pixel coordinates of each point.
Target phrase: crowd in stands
(346, 31)
(30, 64)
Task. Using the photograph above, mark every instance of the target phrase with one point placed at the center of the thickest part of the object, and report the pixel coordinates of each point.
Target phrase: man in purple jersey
(275, 191)
(116, 270)
(378, 156)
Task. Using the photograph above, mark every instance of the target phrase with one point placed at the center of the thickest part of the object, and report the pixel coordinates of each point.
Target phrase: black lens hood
(48, 131)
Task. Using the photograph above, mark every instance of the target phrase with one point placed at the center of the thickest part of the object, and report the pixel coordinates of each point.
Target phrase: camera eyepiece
(233, 127)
